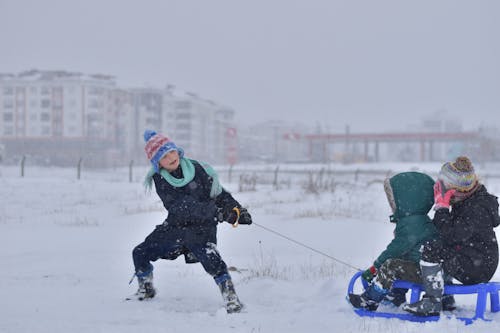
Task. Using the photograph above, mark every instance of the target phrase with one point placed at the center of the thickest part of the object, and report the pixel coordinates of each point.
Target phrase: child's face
(170, 161)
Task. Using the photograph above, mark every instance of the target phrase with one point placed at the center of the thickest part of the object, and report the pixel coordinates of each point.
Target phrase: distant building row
(60, 116)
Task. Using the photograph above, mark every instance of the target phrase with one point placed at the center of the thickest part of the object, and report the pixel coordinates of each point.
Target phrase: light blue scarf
(188, 170)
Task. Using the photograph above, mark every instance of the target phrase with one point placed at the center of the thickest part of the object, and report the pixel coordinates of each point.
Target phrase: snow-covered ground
(66, 259)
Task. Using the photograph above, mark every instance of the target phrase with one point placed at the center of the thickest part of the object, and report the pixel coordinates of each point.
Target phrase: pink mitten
(441, 196)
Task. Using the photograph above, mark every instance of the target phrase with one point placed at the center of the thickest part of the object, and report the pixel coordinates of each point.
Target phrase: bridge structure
(319, 145)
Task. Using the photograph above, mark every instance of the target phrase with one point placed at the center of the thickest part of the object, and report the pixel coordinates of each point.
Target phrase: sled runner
(481, 290)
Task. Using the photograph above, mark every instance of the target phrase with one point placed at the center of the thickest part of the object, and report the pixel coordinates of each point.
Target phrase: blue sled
(402, 316)
(482, 290)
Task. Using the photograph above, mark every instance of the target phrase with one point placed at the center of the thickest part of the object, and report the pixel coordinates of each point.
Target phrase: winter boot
(146, 289)
(396, 296)
(369, 299)
(448, 303)
(229, 296)
(430, 305)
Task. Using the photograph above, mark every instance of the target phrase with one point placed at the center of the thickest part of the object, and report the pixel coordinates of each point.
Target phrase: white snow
(66, 259)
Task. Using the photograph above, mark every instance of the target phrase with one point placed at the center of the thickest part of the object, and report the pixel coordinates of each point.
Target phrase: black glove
(224, 215)
(245, 217)
(239, 216)
(234, 216)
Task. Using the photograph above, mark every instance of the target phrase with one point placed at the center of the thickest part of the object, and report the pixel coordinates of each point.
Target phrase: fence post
(319, 181)
(79, 168)
(131, 164)
(23, 160)
(356, 175)
(275, 181)
(229, 173)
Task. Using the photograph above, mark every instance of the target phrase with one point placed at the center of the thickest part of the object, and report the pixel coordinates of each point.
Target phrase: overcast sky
(374, 65)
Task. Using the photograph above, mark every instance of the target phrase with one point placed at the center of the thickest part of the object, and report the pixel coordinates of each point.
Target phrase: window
(8, 130)
(8, 116)
(45, 103)
(95, 117)
(8, 103)
(8, 91)
(93, 103)
(183, 116)
(20, 103)
(184, 126)
(95, 91)
(45, 130)
(183, 136)
(45, 116)
(45, 91)
(182, 105)
(57, 105)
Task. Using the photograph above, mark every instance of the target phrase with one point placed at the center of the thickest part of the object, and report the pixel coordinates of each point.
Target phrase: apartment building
(45, 104)
(147, 106)
(274, 141)
(199, 126)
(58, 117)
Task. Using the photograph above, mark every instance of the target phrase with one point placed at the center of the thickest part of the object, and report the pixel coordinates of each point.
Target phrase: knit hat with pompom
(459, 175)
(157, 146)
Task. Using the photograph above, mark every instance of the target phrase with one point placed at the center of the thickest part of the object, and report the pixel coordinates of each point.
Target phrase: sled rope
(307, 246)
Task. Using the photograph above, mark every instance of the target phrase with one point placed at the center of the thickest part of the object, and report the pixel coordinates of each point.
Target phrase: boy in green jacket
(411, 196)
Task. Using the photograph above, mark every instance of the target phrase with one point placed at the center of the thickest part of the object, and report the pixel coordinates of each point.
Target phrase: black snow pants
(169, 242)
(455, 263)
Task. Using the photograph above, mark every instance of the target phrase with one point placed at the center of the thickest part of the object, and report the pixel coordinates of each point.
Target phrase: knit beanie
(459, 175)
(157, 146)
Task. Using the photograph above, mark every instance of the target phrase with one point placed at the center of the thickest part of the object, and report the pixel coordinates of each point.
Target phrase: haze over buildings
(61, 116)
(275, 71)
(370, 65)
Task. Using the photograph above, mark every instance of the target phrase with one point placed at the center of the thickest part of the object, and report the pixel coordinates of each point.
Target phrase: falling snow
(66, 258)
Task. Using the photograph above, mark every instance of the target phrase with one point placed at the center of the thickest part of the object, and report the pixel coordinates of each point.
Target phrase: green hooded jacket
(411, 196)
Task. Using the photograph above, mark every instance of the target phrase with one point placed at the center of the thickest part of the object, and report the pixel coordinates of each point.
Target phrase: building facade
(56, 115)
(59, 117)
(201, 127)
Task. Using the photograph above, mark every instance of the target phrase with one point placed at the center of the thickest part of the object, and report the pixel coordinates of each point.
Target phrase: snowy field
(66, 258)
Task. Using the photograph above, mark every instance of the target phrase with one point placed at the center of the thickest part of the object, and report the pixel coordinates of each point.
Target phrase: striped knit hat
(157, 146)
(459, 175)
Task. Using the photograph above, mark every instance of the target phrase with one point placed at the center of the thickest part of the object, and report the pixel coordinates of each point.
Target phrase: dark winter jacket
(191, 205)
(411, 195)
(468, 229)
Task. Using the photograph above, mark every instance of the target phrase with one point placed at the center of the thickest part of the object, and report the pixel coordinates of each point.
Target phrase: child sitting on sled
(411, 196)
(467, 247)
